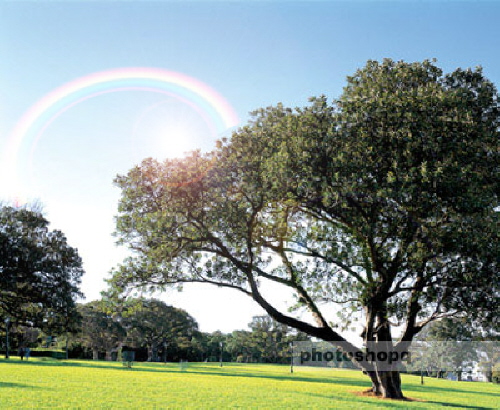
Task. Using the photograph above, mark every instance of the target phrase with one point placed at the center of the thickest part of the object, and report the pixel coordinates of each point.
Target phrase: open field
(86, 384)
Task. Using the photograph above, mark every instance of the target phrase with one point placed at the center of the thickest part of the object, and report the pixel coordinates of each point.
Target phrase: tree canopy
(39, 272)
(134, 324)
(100, 331)
(158, 326)
(383, 202)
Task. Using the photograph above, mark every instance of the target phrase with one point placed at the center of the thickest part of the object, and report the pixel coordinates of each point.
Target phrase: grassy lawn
(86, 384)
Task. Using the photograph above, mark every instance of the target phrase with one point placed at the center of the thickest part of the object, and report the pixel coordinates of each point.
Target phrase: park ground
(48, 383)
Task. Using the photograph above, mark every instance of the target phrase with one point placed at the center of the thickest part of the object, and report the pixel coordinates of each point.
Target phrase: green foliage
(100, 329)
(384, 202)
(271, 340)
(457, 329)
(135, 324)
(158, 326)
(267, 341)
(39, 272)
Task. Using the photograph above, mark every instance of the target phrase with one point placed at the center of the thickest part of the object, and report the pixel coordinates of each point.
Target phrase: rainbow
(207, 102)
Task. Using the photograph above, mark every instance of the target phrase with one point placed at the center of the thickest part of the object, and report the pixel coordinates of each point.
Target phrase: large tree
(384, 203)
(40, 273)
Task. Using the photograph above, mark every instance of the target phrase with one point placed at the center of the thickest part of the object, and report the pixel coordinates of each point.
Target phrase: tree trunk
(153, 352)
(391, 385)
(386, 381)
(386, 384)
(376, 389)
(95, 354)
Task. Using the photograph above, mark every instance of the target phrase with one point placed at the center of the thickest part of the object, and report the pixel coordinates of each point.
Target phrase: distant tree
(240, 346)
(214, 349)
(26, 336)
(443, 349)
(271, 339)
(384, 203)
(199, 347)
(40, 273)
(68, 324)
(158, 326)
(101, 331)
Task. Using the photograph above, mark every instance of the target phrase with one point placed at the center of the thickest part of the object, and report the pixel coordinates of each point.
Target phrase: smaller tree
(217, 343)
(158, 326)
(241, 347)
(100, 329)
(25, 336)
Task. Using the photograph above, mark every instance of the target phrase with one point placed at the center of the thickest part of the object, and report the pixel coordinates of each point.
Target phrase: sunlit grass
(86, 384)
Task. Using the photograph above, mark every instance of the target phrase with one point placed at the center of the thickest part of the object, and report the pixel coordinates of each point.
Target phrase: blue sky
(254, 53)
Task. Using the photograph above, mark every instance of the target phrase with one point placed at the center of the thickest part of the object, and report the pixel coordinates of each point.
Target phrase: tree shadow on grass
(460, 406)
(57, 363)
(292, 378)
(375, 403)
(200, 370)
(407, 403)
(418, 388)
(17, 385)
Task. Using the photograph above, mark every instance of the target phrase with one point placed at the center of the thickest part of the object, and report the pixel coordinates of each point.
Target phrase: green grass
(86, 384)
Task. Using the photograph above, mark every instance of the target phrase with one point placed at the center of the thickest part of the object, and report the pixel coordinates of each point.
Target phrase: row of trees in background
(463, 345)
(159, 332)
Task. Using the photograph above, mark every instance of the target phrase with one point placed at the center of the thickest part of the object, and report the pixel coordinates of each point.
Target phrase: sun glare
(176, 139)
(169, 129)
